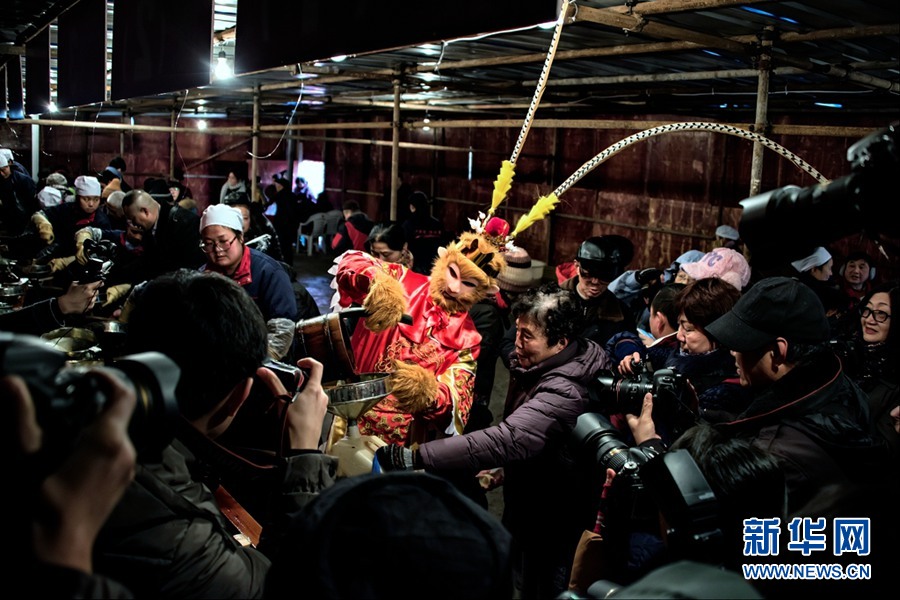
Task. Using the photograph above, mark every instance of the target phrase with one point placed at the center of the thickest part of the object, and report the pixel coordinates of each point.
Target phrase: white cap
(818, 258)
(728, 232)
(85, 185)
(49, 196)
(4, 162)
(221, 214)
(7, 154)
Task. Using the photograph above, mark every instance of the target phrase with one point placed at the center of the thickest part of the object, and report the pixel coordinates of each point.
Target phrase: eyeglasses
(209, 246)
(879, 315)
(585, 276)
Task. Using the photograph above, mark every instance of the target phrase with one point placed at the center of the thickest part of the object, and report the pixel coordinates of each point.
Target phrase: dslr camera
(647, 483)
(790, 222)
(626, 394)
(99, 255)
(66, 399)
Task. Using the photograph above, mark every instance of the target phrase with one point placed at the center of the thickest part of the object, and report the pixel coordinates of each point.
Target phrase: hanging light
(223, 69)
(201, 124)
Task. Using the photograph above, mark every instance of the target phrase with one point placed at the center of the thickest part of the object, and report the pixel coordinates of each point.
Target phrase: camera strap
(249, 528)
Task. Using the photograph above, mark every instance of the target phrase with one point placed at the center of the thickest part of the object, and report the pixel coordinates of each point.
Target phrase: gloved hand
(396, 458)
(116, 292)
(45, 229)
(58, 264)
(413, 387)
(648, 276)
(80, 236)
(385, 303)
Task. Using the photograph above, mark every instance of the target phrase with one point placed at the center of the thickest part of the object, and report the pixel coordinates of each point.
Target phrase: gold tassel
(502, 185)
(540, 210)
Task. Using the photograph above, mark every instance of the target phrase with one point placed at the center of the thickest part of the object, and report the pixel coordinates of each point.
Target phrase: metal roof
(691, 57)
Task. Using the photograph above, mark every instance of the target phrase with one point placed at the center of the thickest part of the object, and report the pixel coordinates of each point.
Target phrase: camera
(626, 394)
(293, 378)
(66, 400)
(790, 222)
(99, 255)
(598, 446)
(648, 483)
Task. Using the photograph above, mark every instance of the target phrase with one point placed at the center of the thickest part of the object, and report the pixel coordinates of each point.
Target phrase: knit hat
(724, 263)
(49, 196)
(774, 307)
(818, 258)
(393, 535)
(57, 180)
(220, 214)
(728, 232)
(85, 185)
(516, 276)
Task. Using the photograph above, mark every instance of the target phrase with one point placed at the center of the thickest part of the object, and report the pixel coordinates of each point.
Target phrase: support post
(395, 150)
(762, 109)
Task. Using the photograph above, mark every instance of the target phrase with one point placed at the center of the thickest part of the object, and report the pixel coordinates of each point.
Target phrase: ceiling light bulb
(223, 69)
(339, 58)
(201, 124)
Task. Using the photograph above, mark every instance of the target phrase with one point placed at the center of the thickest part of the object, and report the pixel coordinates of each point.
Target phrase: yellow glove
(58, 264)
(80, 236)
(45, 229)
(116, 292)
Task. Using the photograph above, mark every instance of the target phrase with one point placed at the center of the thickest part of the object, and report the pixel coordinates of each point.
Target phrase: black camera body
(99, 257)
(648, 482)
(66, 400)
(292, 377)
(626, 394)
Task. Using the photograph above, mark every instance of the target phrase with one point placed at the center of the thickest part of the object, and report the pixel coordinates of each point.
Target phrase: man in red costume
(433, 360)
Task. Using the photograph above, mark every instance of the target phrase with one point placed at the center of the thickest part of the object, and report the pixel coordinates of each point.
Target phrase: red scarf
(242, 274)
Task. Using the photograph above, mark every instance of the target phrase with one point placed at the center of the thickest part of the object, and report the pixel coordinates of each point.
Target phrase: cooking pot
(12, 295)
(74, 341)
(110, 335)
(327, 339)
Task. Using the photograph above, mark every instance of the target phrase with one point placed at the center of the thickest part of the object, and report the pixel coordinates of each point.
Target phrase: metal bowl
(12, 295)
(351, 399)
(70, 340)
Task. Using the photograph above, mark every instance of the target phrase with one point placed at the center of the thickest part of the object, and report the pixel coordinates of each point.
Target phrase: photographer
(168, 537)
(805, 410)
(58, 516)
(543, 509)
(700, 501)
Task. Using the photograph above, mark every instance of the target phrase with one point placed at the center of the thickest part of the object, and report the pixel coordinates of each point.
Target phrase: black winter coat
(816, 423)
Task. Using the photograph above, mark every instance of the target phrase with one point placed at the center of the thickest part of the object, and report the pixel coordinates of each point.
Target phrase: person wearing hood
(550, 370)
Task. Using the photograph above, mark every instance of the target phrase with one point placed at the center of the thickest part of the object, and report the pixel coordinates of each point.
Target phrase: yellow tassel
(540, 210)
(502, 185)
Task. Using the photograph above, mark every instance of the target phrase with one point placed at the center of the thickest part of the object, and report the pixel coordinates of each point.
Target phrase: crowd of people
(204, 472)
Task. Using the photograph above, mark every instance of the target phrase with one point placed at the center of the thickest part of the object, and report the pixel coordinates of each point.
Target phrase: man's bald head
(141, 209)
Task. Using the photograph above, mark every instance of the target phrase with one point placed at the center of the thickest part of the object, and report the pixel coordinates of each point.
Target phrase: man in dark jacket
(599, 260)
(168, 538)
(805, 411)
(171, 238)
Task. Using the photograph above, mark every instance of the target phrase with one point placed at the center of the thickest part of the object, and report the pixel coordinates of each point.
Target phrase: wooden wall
(667, 193)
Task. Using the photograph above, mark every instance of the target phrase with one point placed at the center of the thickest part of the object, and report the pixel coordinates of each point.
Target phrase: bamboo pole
(788, 129)
(395, 151)
(762, 111)
(254, 148)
